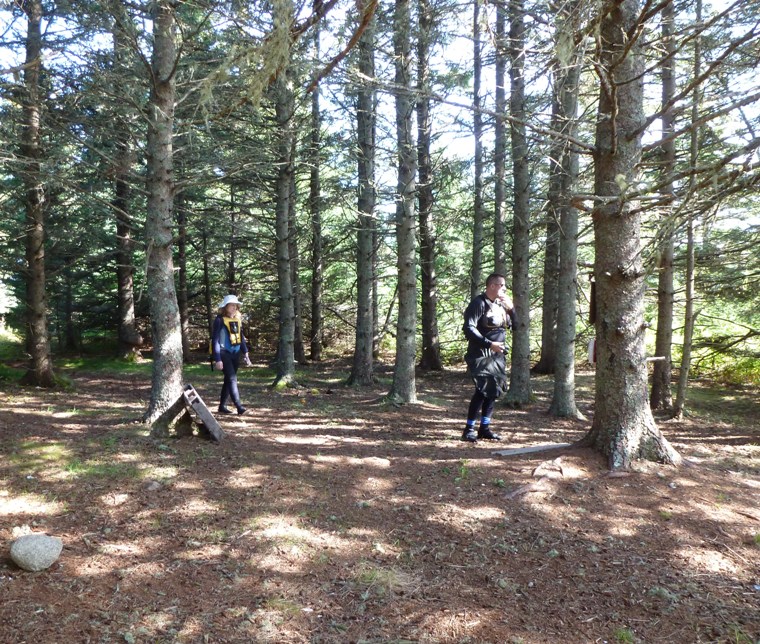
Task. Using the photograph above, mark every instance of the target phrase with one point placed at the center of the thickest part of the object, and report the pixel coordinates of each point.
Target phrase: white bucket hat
(229, 299)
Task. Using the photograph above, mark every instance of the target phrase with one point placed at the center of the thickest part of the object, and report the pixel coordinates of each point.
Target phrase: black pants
(230, 364)
(480, 402)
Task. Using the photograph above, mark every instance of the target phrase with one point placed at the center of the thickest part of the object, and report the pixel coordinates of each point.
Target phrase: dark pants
(230, 364)
(480, 402)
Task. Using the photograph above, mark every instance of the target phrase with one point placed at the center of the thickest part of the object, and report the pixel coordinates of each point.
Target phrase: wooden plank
(195, 402)
(531, 450)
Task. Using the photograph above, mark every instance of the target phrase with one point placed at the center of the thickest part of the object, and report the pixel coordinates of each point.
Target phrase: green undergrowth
(717, 402)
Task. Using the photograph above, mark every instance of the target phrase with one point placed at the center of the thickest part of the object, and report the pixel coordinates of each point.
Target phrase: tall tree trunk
(403, 389)
(376, 331)
(500, 144)
(184, 315)
(661, 397)
(299, 353)
(166, 387)
(431, 348)
(362, 366)
(284, 107)
(210, 309)
(40, 371)
(315, 209)
(232, 278)
(479, 216)
(623, 428)
(129, 339)
(689, 319)
(519, 380)
(690, 314)
(548, 360)
(565, 174)
(70, 340)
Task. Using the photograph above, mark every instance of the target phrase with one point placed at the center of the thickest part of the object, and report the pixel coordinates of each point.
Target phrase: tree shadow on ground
(333, 517)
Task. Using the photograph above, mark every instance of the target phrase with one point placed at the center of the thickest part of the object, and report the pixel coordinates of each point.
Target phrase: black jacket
(486, 322)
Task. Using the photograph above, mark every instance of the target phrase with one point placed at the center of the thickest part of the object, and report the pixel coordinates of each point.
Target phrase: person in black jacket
(227, 346)
(486, 320)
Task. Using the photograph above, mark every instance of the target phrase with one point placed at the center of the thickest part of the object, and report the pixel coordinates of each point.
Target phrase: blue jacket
(220, 339)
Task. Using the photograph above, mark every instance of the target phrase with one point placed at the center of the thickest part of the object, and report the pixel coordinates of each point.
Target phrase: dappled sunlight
(64, 414)
(335, 461)
(710, 561)
(446, 513)
(374, 485)
(196, 506)
(160, 472)
(122, 549)
(28, 504)
(127, 457)
(365, 535)
(283, 529)
(192, 629)
(455, 625)
(284, 543)
(201, 550)
(31, 454)
(246, 477)
(114, 499)
(369, 461)
(358, 521)
(315, 440)
(188, 484)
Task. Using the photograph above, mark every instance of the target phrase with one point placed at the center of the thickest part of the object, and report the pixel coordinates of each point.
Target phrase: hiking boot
(469, 435)
(487, 434)
(223, 410)
(241, 410)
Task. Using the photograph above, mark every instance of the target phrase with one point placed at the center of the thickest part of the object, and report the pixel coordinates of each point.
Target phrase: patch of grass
(31, 455)
(103, 364)
(663, 593)
(109, 442)
(667, 515)
(757, 539)
(464, 471)
(508, 585)
(10, 374)
(380, 581)
(220, 535)
(286, 607)
(737, 406)
(321, 558)
(11, 345)
(737, 635)
(97, 469)
(162, 473)
(624, 635)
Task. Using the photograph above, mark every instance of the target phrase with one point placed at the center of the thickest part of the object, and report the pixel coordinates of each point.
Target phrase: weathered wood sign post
(195, 403)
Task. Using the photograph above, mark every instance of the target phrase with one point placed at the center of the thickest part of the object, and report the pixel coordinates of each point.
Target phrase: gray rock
(35, 552)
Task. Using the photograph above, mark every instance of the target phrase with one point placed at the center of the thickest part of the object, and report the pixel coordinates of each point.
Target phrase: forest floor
(328, 515)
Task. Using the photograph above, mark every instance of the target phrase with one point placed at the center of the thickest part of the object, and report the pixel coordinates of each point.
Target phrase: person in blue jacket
(486, 320)
(227, 347)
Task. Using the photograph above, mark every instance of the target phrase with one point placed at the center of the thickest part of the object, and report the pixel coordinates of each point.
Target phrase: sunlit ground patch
(710, 561)
(30, 504)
